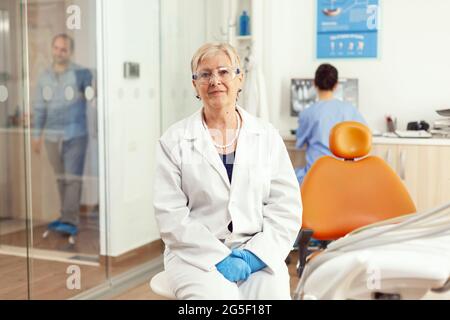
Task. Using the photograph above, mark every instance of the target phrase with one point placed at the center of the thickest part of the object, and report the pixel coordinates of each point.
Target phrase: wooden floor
(48, 278)
(87, 240)
(141, 292)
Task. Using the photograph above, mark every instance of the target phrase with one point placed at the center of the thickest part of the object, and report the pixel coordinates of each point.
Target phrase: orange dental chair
(351, 190)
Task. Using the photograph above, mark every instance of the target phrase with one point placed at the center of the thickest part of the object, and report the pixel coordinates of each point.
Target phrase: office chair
(348, 191)
(160, 285)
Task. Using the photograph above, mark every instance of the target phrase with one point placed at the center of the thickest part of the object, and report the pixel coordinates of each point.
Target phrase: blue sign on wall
(347, 28)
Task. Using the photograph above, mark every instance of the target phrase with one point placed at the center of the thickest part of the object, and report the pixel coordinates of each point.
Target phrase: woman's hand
(253, 261)
(234, 269)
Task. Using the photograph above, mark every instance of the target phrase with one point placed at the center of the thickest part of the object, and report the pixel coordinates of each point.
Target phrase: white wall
(409, 79)
(185, 26)
(131, 111)
(85, 39)
(183, 30)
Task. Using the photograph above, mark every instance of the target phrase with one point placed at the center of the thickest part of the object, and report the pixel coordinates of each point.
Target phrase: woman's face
(217, 92)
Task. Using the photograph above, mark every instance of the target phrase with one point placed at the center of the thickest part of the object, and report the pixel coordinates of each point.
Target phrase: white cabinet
(425, 170)
(387, 152)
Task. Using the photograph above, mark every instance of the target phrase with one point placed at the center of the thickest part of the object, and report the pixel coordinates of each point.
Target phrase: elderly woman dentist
(226, 198)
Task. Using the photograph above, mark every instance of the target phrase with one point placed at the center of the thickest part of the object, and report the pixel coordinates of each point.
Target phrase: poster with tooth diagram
(347, 28)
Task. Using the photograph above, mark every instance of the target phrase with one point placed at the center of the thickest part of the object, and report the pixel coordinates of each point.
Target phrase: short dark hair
(326, 77)
(66, 37)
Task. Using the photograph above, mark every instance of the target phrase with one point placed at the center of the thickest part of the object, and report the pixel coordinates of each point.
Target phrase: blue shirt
(314, 126)
(59, 106)
(228, 162)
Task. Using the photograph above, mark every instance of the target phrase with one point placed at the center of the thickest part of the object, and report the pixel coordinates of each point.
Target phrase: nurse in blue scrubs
(316, 122)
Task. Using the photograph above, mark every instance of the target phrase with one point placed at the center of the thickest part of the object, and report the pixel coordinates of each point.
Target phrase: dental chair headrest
(350, 140)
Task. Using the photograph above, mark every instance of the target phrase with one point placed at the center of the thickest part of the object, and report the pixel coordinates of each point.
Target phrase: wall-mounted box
(131, 70)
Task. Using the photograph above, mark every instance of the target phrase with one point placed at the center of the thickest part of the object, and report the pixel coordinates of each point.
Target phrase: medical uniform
(314, 126)
(195, 203)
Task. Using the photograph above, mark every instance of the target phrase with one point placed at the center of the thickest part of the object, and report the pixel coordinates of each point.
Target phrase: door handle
(402, 164)
(388, 157)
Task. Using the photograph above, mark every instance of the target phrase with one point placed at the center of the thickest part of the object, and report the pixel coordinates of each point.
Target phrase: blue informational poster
(347, 28)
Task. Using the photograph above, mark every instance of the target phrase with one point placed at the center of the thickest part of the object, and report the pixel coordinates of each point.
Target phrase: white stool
(160, 285)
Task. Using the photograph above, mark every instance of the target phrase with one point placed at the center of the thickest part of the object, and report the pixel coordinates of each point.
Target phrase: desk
(297, 155)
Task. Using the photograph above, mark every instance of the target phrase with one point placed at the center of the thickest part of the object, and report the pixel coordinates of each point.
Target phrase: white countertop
(413, 141)
(385, 140)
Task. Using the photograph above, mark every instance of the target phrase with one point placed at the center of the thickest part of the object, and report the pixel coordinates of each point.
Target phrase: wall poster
(347, 28)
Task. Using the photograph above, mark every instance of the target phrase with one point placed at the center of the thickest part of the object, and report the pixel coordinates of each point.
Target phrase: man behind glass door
(60, 121)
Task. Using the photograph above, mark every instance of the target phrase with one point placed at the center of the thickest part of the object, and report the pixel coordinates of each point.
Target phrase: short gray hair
(209, 49)
(65, 37)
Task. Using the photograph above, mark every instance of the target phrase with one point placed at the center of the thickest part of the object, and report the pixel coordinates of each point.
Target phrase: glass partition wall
(49, 211)
(59, 234)
(13, 218)
(63, 147)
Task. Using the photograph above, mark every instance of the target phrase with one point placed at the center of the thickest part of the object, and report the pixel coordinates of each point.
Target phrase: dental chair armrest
(302, 242)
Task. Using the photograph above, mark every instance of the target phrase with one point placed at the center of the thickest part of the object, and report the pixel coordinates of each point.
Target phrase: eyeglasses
(224, 74)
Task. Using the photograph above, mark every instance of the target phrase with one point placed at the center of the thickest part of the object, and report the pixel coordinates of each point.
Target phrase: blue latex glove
(234, 269)
(253, 261)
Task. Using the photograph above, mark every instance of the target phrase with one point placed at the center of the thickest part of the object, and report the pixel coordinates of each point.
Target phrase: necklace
(235, 137)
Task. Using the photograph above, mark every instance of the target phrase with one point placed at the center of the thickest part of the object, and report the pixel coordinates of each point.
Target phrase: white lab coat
(254, 94)
(194, 201)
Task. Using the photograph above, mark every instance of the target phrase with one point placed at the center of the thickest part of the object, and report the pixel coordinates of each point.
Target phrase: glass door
(13, 214)
(49, 199)
(62, 148)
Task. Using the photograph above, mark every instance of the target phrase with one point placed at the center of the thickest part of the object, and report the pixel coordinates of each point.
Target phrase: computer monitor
(303, 93)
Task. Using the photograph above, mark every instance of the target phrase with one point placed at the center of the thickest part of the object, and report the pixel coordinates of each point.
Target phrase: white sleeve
(282, 214)
(189, 240)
